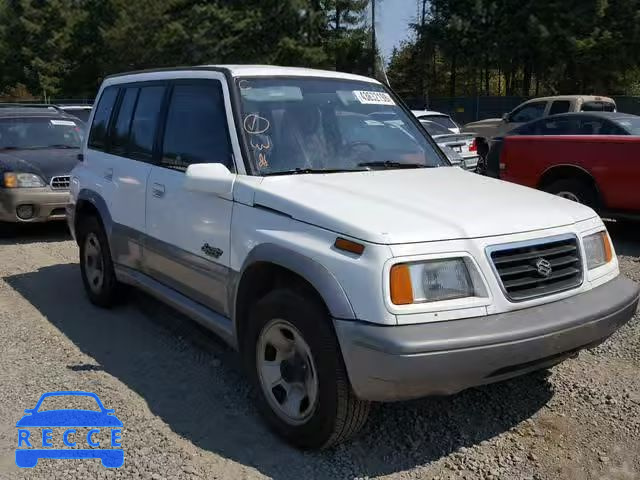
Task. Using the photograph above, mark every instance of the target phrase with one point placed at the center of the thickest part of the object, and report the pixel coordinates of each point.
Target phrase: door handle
(157, 190)
(108, 174)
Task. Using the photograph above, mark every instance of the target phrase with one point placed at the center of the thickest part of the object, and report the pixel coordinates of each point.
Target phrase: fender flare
(326, 284)
(100, 205)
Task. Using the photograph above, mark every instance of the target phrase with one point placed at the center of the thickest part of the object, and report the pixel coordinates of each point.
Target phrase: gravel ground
(187, 411)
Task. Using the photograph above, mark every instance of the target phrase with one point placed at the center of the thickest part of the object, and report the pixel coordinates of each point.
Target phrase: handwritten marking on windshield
(254, 123)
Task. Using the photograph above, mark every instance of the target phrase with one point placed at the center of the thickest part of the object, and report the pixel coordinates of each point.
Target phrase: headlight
(435, 280)
(597, 249)
(22, 180)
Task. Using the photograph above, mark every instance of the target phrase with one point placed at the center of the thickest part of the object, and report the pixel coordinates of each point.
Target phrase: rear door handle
(157, 190)
(108, 174)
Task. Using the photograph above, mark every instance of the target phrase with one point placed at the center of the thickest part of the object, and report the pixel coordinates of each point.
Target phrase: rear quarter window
(560, 106)
(98, 134)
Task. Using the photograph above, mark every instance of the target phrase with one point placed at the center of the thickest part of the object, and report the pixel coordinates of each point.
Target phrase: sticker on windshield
(68, 123)
(373, 98)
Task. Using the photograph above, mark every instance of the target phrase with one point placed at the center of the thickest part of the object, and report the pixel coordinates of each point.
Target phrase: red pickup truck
(602, 171)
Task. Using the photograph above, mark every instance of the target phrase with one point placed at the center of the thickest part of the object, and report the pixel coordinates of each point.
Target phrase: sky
(393, 18)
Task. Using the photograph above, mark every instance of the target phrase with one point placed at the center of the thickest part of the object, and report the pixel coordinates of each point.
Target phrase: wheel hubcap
(93, 264)
(287, 372)
(569, 196)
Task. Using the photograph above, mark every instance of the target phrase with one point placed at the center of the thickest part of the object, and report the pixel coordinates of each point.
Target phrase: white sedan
(462, 144)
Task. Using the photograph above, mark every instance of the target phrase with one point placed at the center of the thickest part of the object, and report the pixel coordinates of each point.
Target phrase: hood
(416, 205)
(45, 162)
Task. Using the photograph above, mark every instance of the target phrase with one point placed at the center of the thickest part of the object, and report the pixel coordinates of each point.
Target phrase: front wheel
(296, 367)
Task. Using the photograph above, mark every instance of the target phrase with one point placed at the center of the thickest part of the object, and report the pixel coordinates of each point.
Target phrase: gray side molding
(97, 201)
(313, 272)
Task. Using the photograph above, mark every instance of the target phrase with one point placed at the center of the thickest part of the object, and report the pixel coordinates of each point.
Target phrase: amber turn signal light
(401, 291)
(10, 180)
(349, 246)
(608, 251)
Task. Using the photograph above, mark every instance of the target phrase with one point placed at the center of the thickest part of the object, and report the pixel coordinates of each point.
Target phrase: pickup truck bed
(601, 171)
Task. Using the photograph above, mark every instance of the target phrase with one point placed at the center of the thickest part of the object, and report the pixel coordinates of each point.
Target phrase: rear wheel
(96, 265)
(296, 367)
(575, 190)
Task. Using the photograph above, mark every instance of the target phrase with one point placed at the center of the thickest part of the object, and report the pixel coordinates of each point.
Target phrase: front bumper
(48, 204)
(387, 363)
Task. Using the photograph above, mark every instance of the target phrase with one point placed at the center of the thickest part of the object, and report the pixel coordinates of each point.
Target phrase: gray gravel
(187, 410)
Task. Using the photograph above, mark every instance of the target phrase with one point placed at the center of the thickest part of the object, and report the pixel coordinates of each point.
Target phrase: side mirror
(505, 117)
(212, 178)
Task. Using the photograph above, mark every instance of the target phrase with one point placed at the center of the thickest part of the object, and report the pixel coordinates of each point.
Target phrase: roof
(586, 98)
(247, 71)
(609, 115)
(16, 111)
(75, 107)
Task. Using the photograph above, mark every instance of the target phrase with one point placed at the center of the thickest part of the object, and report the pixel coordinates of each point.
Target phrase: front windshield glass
(309, 124)
(35, 133)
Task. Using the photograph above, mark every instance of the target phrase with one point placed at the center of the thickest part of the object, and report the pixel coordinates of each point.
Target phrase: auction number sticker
(373, 98)
(68, 123)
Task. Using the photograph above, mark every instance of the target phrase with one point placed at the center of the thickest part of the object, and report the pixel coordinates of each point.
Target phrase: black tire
(584, 192)
(106, 294)
(338, 413)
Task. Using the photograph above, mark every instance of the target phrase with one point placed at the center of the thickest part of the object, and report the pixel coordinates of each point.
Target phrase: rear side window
(590, 126)
(196, 128)
(98, 135)
(145, 122)
(556, 126)
(560, 106)
(120, 134)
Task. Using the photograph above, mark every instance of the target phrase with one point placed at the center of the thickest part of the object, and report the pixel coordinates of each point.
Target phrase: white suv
(261, 202)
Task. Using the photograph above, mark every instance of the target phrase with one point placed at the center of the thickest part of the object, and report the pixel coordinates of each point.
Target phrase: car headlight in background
(435, 280)
(22, 180)
(597, 249)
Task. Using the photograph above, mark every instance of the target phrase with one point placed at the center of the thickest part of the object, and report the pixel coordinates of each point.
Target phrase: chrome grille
(60, 182)
(538, 268)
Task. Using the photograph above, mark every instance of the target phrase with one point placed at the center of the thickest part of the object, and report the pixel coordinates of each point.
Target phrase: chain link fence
(469, 109)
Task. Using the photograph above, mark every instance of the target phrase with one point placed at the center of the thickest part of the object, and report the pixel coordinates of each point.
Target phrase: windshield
(630, 124)
(33, 133)
(309, 125)
(434, 128)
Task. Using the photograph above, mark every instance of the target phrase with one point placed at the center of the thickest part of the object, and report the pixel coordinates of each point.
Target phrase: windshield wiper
(389, 164)
(301, 171)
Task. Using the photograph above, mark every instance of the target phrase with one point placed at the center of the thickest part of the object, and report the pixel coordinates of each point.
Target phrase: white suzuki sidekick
(308, 219)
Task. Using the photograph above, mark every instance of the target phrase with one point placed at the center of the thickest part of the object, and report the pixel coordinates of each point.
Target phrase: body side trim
(218, 324)
(209, 283)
